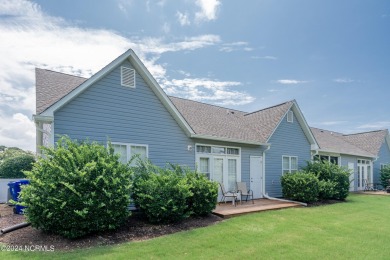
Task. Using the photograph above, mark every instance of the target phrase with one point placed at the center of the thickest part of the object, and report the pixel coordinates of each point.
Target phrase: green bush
(326, 171)
(172, 194)
(13, 167)
(204, 194)
(326, 189)
(300, 186)
(162, 196)
(77, 189)
(385, 176)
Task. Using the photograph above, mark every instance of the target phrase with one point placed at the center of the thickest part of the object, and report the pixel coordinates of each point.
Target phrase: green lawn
(358, 229)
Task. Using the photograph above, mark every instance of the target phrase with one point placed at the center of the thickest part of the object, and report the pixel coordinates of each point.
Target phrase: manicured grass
(358, 229)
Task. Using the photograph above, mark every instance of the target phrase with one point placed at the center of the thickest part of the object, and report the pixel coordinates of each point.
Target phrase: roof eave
(225, 139)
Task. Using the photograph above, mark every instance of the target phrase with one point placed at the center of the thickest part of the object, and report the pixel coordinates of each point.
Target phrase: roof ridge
(207, 104)
(256, 111)
(366, 132)
(67, 74)
(322, 129)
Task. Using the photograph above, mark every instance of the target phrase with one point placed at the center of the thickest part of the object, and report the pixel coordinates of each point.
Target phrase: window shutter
(127, 77)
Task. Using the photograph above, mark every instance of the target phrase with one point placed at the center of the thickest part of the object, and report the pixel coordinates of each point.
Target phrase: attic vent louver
(290, 116)
(127, 77)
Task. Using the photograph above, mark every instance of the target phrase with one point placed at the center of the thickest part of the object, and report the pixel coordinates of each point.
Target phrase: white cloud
(264, 57)
(208, 10)
(203, 89)
(290, 81)
(30, 38)
(235, 46)
(331, 123)
(375, 125)
(17, 130)
(343, 80)
(183, 18)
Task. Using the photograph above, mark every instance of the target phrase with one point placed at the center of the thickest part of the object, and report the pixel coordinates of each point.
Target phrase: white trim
(52, 134)
(329, 155)
(225, 156)
(43, 119)
(290, 116)
(141, 69)
(289, 162)
(215, 138)
(128, 148)
(337, 152)
(134, 77)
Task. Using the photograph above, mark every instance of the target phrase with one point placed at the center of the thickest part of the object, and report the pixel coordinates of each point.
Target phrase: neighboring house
(363, 153)
(123, 103)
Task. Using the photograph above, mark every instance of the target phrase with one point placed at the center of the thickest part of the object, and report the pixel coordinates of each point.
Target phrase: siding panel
(108, 110)
(290, 140)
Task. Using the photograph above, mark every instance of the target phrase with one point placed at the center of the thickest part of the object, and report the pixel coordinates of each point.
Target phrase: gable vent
(290, 116)
(127, 77)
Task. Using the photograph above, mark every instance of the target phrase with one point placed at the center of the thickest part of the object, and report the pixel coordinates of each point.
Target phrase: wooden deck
(227, 210)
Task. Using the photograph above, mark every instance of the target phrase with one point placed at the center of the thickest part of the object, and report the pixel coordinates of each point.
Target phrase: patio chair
(228, 194)
(244, 191)
(368, 186)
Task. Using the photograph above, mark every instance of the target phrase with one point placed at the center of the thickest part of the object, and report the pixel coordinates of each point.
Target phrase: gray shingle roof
(369, 141)
(51, 86)
(203, 118)
(217, 121)
(335, 142)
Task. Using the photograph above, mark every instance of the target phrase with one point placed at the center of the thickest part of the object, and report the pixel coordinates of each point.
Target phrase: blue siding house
(364, 154)
(124, 104)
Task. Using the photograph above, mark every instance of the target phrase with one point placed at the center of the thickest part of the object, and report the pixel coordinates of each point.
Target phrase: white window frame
(128, 148)
(383, 165)
(329, 155)
(211, 156)
(289, 164)
(290, 116)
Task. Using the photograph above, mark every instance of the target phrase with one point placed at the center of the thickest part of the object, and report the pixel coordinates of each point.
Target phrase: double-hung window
(290, 164)
(127, 151)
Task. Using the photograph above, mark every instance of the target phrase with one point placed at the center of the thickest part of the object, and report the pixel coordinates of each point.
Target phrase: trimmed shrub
(385, 176)
(13, 167)
(326, 171)
(77, 189)
(326, 189)
(162, 196)
(300, 186)
(204, 194)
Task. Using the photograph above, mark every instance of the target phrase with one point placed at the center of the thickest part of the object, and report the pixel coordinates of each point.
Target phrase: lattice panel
(46, 135)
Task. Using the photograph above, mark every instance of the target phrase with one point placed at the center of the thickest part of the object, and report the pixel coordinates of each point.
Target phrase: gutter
(284, 200)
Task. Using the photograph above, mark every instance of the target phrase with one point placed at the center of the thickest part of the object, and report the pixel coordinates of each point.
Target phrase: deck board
(226, 210)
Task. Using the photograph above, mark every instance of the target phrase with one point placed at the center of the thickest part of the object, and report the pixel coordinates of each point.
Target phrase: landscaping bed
(135, 229)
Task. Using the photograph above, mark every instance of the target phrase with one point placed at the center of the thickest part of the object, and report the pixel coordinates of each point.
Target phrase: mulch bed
(324, 202)
(135, 229)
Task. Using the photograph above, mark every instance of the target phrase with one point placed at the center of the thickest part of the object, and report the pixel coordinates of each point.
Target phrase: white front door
(256, 176)
(351, 168)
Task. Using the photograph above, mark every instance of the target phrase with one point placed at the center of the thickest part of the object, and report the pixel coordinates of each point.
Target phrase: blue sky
(333, 57)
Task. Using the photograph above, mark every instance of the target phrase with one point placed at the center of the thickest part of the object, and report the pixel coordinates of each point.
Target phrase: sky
(332, 57)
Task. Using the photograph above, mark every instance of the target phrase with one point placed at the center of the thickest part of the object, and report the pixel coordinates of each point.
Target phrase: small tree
(77, 189)
(13, 167)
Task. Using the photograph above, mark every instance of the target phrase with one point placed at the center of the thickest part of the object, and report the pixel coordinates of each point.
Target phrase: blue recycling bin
(14, 188)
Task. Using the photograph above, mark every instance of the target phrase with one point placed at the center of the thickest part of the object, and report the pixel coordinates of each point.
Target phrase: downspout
(263, 188)
(284, 200)
(265, 195)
